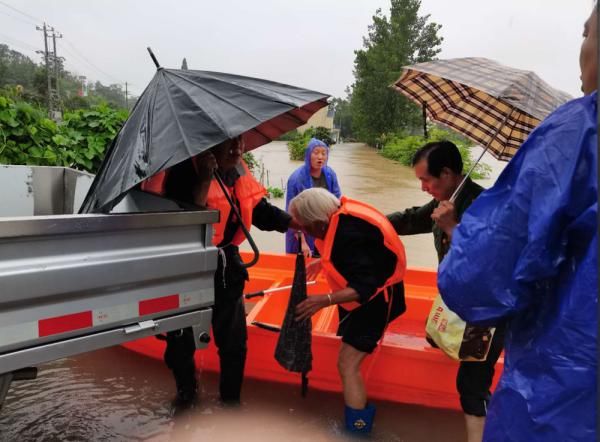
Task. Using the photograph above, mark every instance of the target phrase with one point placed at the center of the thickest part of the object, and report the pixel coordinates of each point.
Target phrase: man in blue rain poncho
(526, 251)
(313, 173)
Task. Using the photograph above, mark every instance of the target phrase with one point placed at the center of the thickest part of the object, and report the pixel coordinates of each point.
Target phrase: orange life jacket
(390, 239)
(156, 183)
(246, 189)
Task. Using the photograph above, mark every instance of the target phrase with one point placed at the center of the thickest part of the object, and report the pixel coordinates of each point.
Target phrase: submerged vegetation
(401, 148)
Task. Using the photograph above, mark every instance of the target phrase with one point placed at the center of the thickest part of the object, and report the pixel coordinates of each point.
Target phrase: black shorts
(363, 327)
(474, 379)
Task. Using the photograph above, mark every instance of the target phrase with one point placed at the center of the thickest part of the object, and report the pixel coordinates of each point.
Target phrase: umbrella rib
(293, 105)
(181, 131)
(256, 87)
(221, 98)
(122, 186)
(288, 112)
(214, 119)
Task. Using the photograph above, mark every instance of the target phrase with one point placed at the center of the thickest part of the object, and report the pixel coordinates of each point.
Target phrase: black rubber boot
(187, 387)
(179, 357)
(231, 377)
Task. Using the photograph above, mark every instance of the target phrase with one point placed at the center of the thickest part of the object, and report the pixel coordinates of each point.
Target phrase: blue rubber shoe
(360, 421)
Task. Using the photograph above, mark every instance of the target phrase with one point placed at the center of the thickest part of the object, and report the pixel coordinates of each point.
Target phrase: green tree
(15, 68)
(343, 115)
(402, 39)
(113, 94)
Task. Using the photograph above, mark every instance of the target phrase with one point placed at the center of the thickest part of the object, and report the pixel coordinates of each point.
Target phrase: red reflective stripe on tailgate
(66, 323)
(156, 305)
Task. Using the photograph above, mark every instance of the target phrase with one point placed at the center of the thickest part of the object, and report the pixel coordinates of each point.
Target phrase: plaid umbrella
(493, 105)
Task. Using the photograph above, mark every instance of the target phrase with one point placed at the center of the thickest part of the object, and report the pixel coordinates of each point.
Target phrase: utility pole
(126, 97)
(56, 65)
(46, 62)
(51, 58)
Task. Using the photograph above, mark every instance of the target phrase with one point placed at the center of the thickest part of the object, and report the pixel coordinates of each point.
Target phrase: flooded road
(365, 175)
(117, 395)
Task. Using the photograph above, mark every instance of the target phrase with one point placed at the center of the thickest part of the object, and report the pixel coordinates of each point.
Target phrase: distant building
(83, 86)
(322, 118)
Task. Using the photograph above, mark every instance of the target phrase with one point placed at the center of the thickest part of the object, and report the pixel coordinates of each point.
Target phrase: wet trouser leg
(229, 330)
(474, 379)
(179, 357)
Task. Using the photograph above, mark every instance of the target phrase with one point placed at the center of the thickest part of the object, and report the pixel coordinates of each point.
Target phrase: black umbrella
(293, 350)
(183, 113)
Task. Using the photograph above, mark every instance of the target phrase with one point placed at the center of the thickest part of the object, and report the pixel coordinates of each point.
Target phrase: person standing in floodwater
(192, 182)
(313, 173)
(364, 263)
(439, 167)
(527, 251)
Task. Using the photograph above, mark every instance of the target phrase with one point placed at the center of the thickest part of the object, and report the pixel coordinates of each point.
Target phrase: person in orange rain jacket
(364, 263)
(190, 182)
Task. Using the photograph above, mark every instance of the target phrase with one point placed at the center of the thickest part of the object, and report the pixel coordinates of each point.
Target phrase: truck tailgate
(111, 278)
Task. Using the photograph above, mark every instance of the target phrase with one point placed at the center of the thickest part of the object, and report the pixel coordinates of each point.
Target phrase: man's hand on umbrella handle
(313, 268)
(310, 306)
(205, 165)
(444, 215)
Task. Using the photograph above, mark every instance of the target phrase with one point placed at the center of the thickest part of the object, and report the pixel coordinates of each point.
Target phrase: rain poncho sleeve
(301, 180)
(526, 250)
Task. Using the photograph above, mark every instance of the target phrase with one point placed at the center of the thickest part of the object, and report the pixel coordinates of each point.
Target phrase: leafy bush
(275, 192)
(297, 147)
(289, 136)
(251, 162)
(401, 147)
(28, 136)
(90, 132)
(323, 134)
(298, 143)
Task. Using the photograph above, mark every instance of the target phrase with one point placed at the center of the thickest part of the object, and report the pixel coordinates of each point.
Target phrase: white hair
(312, 205)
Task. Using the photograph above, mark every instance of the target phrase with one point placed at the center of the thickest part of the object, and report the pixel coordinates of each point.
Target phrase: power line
(83, 62)
(38, 20)
(18, 43)
(52, 56)
(29, 22)
(92, 64)
(74, 61)
(80, 55)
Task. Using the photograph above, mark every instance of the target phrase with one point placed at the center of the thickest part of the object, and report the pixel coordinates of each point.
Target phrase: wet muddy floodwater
(117, 395)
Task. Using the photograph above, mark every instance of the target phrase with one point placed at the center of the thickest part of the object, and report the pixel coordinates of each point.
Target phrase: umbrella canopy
(493, 105)
(293, 350)
(182, 113)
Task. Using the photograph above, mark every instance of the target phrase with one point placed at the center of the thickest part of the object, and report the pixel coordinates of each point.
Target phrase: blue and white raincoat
(301, 180)
(526, 252)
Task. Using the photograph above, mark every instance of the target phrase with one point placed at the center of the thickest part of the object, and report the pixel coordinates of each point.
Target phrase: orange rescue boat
(404, 368)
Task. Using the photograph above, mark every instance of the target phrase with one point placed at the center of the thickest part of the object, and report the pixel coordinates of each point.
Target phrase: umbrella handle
(464, 180)
(237, 213)
(462, 183)
(153, 57)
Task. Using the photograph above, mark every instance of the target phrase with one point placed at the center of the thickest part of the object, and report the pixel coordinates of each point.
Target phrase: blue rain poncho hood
(300, 180)
(525, 252)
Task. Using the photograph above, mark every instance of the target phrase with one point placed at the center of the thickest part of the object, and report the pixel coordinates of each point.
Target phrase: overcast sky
(308, 43)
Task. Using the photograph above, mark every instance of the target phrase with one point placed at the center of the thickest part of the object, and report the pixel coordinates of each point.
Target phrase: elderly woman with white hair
(364, 263)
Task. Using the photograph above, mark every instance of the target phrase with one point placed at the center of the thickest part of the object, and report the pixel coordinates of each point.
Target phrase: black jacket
(418, 219)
